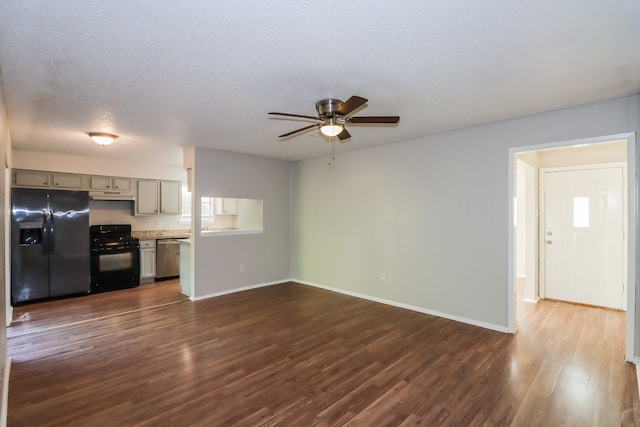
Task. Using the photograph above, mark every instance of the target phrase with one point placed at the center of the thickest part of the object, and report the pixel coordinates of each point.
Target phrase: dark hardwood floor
(56, 313)
(292, 355)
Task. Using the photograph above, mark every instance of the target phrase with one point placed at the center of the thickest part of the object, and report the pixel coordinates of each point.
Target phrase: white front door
(583, 236)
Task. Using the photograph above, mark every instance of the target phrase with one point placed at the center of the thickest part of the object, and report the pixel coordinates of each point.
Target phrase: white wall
(121, 212)
(265, 256)
(250, 214)
(432, 212)
(5, 285)
(606, 152)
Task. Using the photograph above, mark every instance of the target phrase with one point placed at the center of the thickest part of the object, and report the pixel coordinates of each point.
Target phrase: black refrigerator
(49, 244)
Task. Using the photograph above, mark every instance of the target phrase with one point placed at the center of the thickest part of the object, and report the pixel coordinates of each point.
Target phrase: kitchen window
(207, 210)
(185, 213)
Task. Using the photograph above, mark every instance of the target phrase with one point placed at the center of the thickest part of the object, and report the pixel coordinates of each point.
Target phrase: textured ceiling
(166, 74)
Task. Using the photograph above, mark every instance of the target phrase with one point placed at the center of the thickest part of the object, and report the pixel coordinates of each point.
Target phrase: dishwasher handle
(168, 241)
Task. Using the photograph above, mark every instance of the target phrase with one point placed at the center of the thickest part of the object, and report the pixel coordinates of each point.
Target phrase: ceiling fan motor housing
(327, 108)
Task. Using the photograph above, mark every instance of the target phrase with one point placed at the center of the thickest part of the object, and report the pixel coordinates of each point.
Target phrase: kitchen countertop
(161, 234)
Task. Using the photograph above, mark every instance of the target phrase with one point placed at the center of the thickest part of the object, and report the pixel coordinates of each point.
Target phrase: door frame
(542, 247)
(632, 226)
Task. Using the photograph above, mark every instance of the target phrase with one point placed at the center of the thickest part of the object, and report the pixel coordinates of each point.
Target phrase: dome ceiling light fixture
(102, 138)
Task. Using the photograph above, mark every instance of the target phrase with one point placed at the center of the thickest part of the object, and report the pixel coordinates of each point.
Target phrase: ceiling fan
(333, 115)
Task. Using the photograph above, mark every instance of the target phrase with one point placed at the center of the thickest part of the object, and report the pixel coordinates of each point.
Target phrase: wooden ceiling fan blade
(374, 119)
(344, 134)
(296, 115)
(299, 130)
(350, 105)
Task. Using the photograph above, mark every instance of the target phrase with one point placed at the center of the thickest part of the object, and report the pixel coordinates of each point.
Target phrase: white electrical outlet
(383, 277)
(241, 268)
(158, 224)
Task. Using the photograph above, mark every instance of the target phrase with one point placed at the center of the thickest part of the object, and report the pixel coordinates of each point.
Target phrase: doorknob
(549, 242)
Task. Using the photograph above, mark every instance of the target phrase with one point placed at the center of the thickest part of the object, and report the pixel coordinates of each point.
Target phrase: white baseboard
(4, 404)
(529, 300)
(468, 321)
(233, 291)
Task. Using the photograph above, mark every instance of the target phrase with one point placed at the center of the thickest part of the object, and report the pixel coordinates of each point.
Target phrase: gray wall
(265, 256)
(431, 213)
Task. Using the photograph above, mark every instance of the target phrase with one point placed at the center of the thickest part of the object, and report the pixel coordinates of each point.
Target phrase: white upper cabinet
(152, 196)
(107, 183)
(31, 179)
(148, 198)
(226, 206)
(38, 179)
(100, 183)
(170, 197)
(67, 180)
(158, 197)
(121, 184)
(71, 181)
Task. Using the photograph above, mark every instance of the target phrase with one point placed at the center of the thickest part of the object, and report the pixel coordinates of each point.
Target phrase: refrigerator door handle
(51, 239)
(45, 231)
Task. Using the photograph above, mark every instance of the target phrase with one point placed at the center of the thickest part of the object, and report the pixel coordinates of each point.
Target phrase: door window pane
(581, 212)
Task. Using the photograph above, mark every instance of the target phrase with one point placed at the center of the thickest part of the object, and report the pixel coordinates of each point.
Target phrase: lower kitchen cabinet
(147, 261)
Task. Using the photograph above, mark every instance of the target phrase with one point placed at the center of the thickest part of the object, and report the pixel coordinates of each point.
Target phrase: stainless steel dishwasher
(167, 258)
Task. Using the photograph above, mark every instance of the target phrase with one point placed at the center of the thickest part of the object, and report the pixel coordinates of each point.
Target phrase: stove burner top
(116, 242)
(112, 236)
(110, 229)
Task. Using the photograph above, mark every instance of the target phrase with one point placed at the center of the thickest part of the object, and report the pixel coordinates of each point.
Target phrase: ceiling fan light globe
(331, 129)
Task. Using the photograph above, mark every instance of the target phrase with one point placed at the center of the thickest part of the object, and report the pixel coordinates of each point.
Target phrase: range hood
(111, 195)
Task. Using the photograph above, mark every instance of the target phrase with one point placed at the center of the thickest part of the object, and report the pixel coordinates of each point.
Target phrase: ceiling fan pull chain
(332, 160)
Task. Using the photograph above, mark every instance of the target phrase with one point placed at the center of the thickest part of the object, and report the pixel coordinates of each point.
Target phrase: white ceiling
(166, 74)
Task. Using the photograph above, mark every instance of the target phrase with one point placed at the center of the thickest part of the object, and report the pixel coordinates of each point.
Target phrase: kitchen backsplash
(121, 212)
